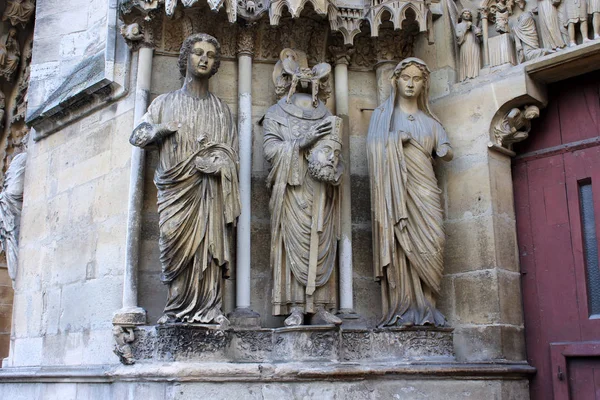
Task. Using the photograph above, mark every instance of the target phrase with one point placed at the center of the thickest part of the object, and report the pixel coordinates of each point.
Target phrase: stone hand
(404, 136)
(316, 133)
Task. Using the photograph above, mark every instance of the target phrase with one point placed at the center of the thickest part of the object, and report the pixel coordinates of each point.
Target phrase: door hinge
(560, 375)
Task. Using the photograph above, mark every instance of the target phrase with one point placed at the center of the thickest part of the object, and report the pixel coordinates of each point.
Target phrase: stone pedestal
(502, 50)
(326, 343)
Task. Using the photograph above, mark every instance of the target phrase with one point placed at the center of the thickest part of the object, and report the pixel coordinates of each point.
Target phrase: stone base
(244, 318)
(502, 50)
(216, 381)
(130, 316)
(328, 343)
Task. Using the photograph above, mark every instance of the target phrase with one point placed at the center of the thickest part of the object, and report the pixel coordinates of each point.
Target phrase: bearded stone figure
(303, 147)
(408, 235)
(197, 182)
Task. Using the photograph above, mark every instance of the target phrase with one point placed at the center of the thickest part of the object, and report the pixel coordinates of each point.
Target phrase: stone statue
(18, 11)
(467, 37)
(9, 54)
(576, 13)
(302, 144)
(551, 31)
(124, 336)
(514, 127)
(503, 12)
(526, 39)
(197, 182)
(594, 10)
(11, 203)
(408, 235)
(2, 108)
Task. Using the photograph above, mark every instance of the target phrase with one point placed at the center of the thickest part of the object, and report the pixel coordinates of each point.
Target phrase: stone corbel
(512, 127)
(124, 337)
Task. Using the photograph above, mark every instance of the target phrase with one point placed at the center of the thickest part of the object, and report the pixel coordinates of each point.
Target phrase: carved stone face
(324, 159)
(466, 15)
(202, 59)
(410, 82)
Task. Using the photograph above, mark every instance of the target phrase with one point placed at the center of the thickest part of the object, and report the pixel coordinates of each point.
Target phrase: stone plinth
(183, 342)
(502, 50)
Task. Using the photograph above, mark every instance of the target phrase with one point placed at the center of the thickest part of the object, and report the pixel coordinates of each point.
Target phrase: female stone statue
(550, 27)
(408, 236)
(467, 37)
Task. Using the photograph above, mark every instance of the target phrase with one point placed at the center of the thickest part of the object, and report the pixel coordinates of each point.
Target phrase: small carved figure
(123, 338)
(576, 13)
(551, 31)
(467, 36)
(515, 126)
(9, 54)
(11, 203)
(527, 43)
(18, 11)
(408, 234)
(197, 182)
(132, 32)
(303, 147)
(503, 12)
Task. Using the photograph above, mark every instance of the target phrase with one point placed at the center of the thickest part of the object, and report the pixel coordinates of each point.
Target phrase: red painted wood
(550, 242)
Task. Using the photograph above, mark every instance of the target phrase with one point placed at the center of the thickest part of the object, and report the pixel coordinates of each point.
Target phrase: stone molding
(266, 372)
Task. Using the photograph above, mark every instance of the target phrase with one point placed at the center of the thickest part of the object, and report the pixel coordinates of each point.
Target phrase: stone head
(532, 112)
(200, 56)
(466, 15)
(411, 77)
(324, 159)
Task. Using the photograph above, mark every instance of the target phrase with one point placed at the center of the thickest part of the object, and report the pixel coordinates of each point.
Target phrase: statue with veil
(408, 236)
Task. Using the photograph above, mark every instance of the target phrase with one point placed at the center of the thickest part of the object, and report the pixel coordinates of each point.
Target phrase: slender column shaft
(345, 247)
(484, 29)
(245, 140)
(136, 183)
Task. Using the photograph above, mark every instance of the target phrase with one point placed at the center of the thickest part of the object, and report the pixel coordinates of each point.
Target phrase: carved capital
(245, 40)
(341, 54)
(484, 12)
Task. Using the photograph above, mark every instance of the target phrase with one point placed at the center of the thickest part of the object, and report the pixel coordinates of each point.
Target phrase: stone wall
(6, 305)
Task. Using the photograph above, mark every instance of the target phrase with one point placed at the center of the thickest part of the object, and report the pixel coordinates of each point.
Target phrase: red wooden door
(557, 205)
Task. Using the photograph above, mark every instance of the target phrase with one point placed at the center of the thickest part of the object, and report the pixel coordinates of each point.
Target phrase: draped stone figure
(303, 147)
(9, 54)
(576, 13)
(408, 235)
(197, 182)
(551, 30)
(526, 39)
(467, 37)
(503, 12)
(594, 11)
(11, 203)
(18, 11)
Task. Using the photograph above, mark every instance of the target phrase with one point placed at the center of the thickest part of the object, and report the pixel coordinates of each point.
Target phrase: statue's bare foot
(323, 317)
(295, 319)
(222, 321)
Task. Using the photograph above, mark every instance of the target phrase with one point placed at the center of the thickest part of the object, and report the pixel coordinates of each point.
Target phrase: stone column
(131, 313)
(484, 13)
(243, 314)
(383, 73)
(346, 308)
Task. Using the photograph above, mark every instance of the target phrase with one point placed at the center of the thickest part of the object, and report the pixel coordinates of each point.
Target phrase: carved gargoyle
(514, 127)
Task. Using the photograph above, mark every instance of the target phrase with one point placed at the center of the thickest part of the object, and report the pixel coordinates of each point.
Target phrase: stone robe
(528, 45)
(408, 235)
(575, 11)
(470, 58)
(550, 27)
(295, 207)
(197, 210)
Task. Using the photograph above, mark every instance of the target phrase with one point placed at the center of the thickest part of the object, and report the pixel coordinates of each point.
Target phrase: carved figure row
(198, 198)
(556, 21)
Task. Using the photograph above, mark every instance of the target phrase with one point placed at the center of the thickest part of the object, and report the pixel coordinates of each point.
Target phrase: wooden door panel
(579, 112)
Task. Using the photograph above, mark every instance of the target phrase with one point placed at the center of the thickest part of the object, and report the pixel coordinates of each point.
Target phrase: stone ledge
(188, 342)
(267, 372)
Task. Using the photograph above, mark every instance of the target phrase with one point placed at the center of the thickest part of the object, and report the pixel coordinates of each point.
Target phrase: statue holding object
(468, 37)
(197, 182)
(302, 143)
(408, 234)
